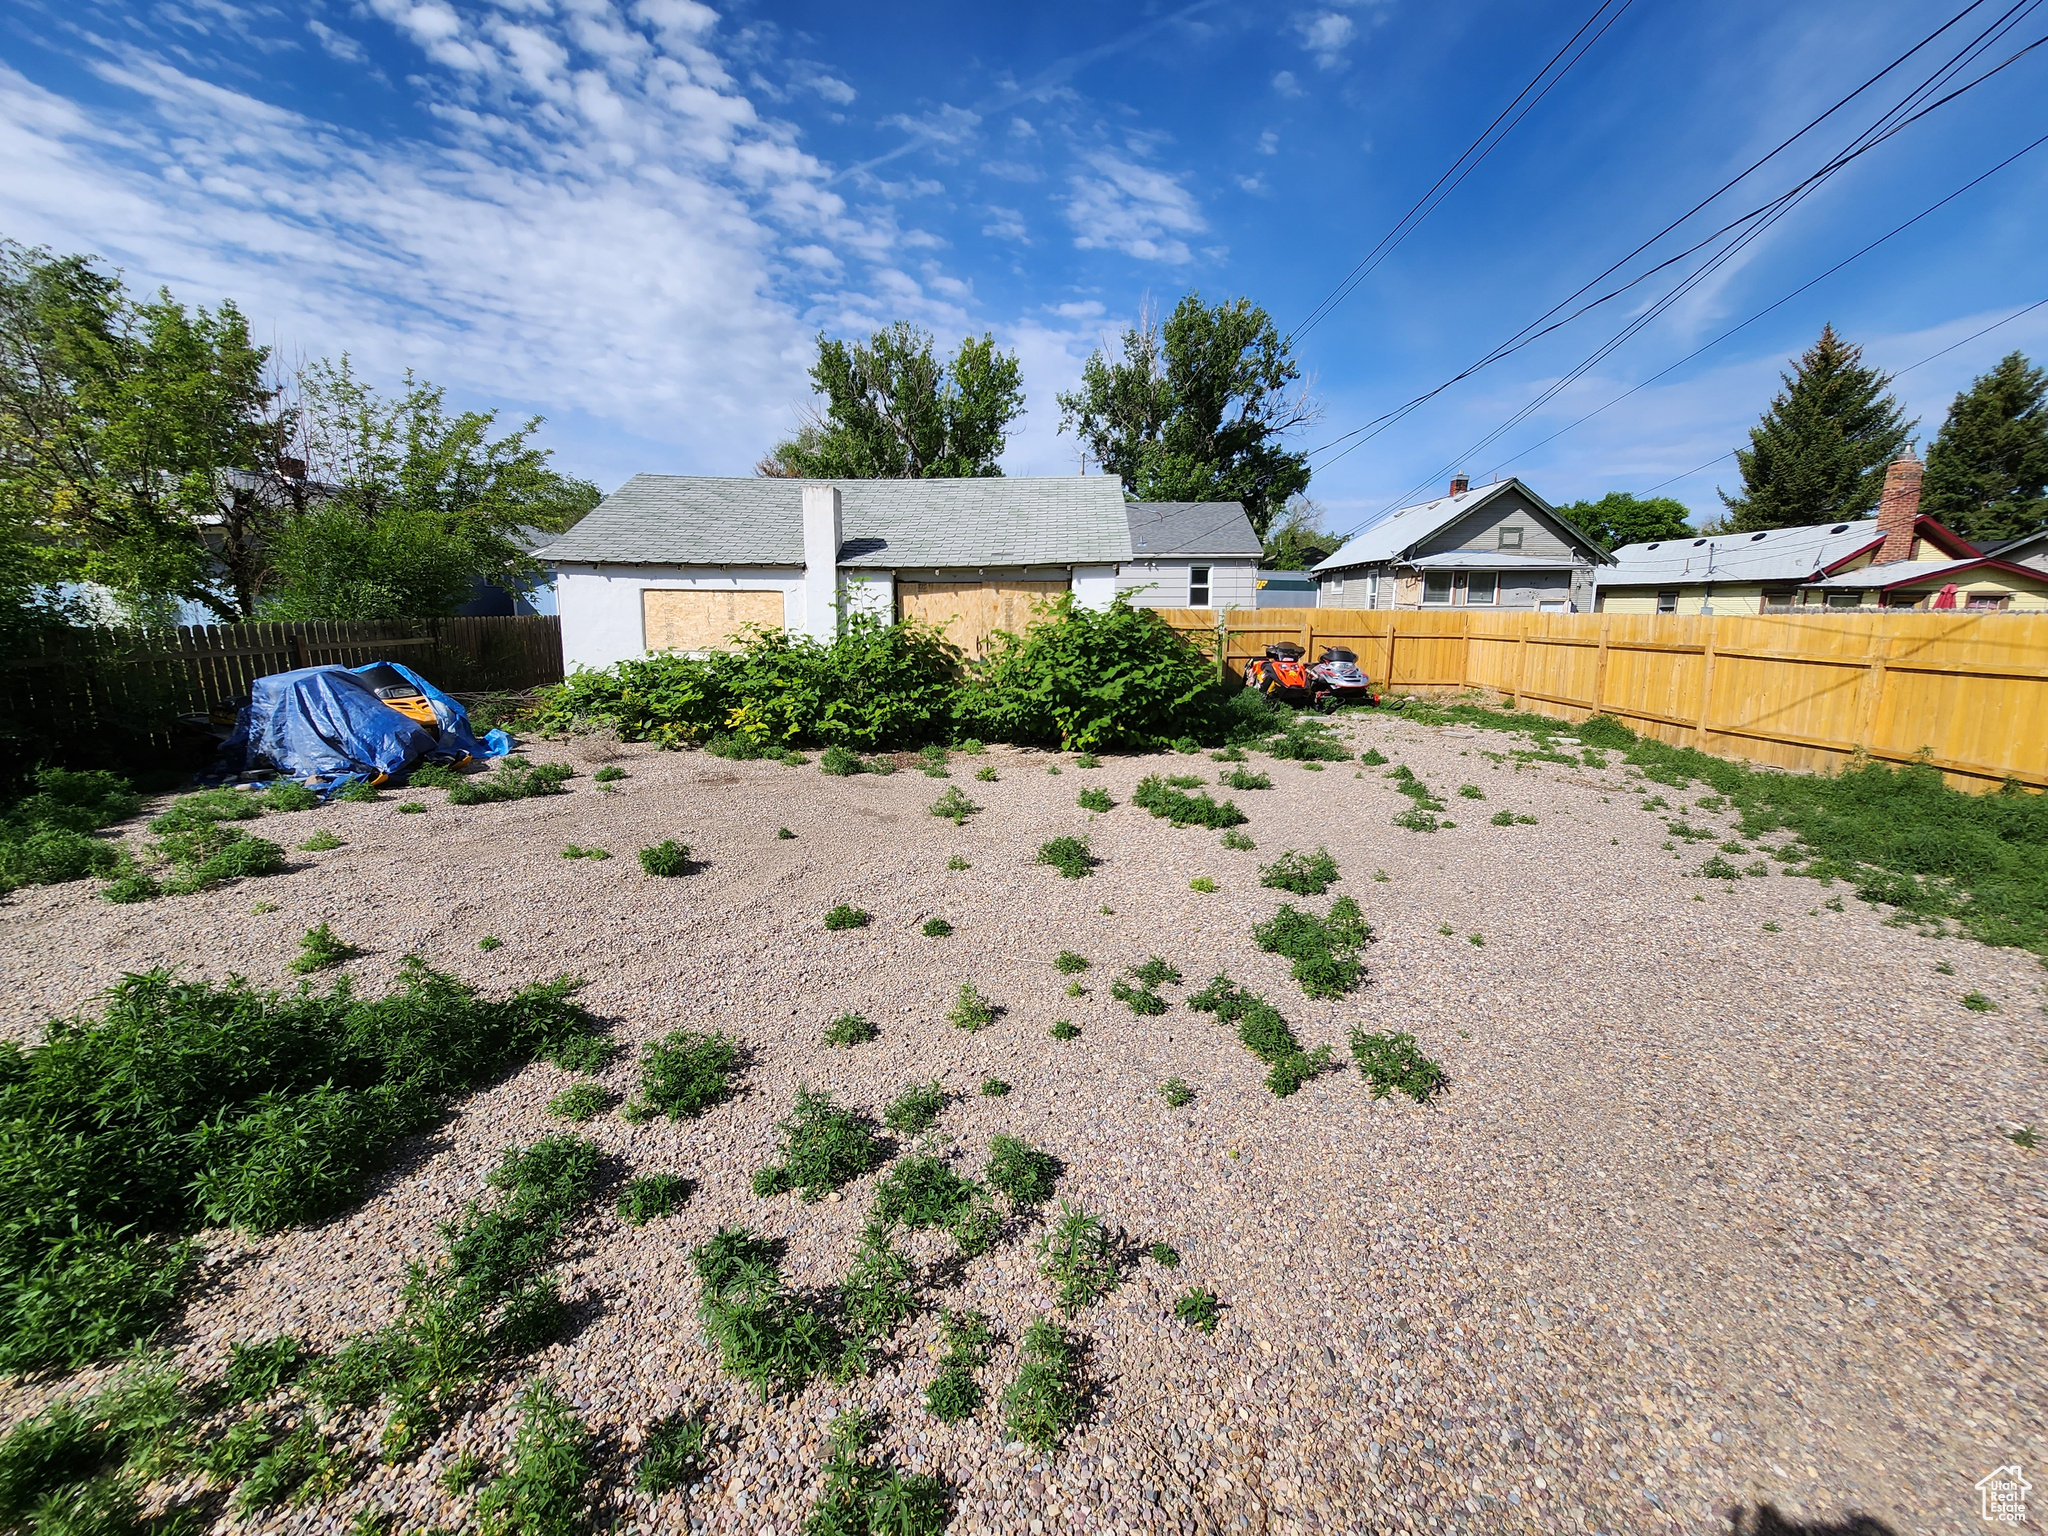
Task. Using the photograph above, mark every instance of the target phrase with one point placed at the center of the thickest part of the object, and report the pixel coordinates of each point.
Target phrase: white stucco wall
(1094, 586)
(600, 605)
(870, 592)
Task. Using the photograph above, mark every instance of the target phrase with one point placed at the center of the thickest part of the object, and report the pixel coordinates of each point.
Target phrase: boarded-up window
(674, 619)
(971, 611)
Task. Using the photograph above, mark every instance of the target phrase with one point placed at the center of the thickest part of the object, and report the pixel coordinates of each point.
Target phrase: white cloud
(1012, 170)
(1132, 208)
(1006, 224)
(1286, 84)
(1081, 309)
(949, 128)
(1269, 143)
(339, 44)
(1325, 36)
(822, 83)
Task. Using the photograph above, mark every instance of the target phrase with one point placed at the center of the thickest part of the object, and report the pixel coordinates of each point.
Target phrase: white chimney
(822, 538)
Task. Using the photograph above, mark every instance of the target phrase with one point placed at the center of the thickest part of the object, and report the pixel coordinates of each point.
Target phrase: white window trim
(1206, 585)
(1493, 597)
(1450, 586)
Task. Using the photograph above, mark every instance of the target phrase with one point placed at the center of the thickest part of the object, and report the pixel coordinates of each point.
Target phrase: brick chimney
(1460, 484)
(1897, 509)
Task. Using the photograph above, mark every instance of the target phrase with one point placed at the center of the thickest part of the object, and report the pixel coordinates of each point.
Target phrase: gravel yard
(1711, 1216)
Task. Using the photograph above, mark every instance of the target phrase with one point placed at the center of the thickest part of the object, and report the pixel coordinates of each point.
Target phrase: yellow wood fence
(1969, 691)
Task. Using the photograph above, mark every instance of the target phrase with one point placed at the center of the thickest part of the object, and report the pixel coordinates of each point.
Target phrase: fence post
(1870, 706)
(1600, 667)
(1706, 688)
(1521, 657)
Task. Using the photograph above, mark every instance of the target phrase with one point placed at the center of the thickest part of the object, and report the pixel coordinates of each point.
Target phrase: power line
(1427, 203)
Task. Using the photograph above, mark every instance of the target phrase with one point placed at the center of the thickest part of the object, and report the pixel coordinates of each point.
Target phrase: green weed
(1372, 757)
(611, 773)
(765, 1335)
(861, 1496)
(2024, 1138)
(1305, 874)
(954, 806)
(1718, 868)
(1078, 1255)
(1324, 949)
(986, 774)
(784, 835)
(937, 928)
(850, 1029)
(674, 1453)
(434, 776)
(1238, 841)
(1510, 819)
(1228, 755)
(845, 916)
(1943, 968)
(683, 1073)
(1394, 1063)
(412, 808)
(1977, 1002)
(1415, 819)
(363, 793)
(1070, 964)
(513, 779)
(1165, 1255)
(1203, 884)
(571, 851)
(823, 1146)
(1074, 989)
(547, 1491)
(876, 1297)
(971, 1011)
(1095, 800)
(1044, 1401)
(993, 1088)
(840, 762)
(1087, 760)
(580, 1102)
(666, 858)
(287, 795)
(1069, 855)
(320, 842)
(1021, 1172)
(1176, 1092)
(653, 1197)
(1264, 1033)
(932, 761)
(488, 943)
(320, 950)
(956, 863)
(1183, 810)
(915, 1109)
(1198, 1309)
(954, 1394)
(1471, 792)
(1244, 778)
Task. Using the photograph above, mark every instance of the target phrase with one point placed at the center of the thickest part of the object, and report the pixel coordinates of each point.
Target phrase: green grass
(823, 1146)
(1064, 1029)
(971, 1011)
(1198, 1309)
(1077, 1254)
(845, 916)
(1237, 841)
(320, 950)
(1263, 1032)
(954, 806)
(547, 1491)
(653, 1197)
(674, 1453)
(1324, 950)
(513, 779)
(1021, 1172)
(1305, 874)
(684, 1073)
(667, 858)
(580, 1102)
(320, 842)
(1095, 800)
(916, 1108)
(1070, 964)
(1069, 855)
(993, 1088)
(1184, 810)
(188, 1104)
(937, 928)
(1044, 1401)
(850, 1029)
(1176, 1092)
(1203, 884)
(1394, 1063)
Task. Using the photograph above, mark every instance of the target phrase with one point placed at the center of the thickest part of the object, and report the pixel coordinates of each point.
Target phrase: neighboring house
(1902, 558)
(2029, 549)
(681, 562)
(1287, 589)
(1499, 546)
(487, 601)
(1190, 554)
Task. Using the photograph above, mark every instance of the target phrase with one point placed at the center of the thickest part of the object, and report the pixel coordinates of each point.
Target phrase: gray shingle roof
(1901, 572)
(1191, 528)
(1399, 531)
(707, 520)
(1782, 554)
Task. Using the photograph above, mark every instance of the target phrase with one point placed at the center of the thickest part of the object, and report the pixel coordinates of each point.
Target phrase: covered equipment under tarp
(329, 724)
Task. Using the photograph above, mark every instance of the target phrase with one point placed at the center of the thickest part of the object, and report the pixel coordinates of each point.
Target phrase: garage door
(675, 620)
(971, 611)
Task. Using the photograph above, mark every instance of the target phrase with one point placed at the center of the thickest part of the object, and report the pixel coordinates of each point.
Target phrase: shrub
(674, 1453)
(1078, 1255)
(840, 763)
(435, 776)
(1324, 949)
(1064, 1029)
(546, 1492)
(850, 1029)
(1244, 778)
(189, 1104)
(1021, 1171)
(937, 928)
(1070, 964)
(875, 1298)
(954, 806)
(1069, 855)
(1198, 1309)
(320, 950)
(413, 808)
(611, 773)
(513, 779)
(320, 842)
(666, 858)
(844, 916)
(1176, 1092)
(653, 1197)
(1393, 1063)
(1372, 757)
(1183, 809)
(1305, 874)
(1264, 1033)
(915, 1108)
(1095, 800)
(579, 1102)
(1044, 1401)
(823, 1147)
(683, 1074)
(954, 1394)
(971, 1011)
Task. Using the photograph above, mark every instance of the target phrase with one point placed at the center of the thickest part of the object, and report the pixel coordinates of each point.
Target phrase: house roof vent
(1755, 536)
(1658, 545)
(1839, 528)
(1696, 543)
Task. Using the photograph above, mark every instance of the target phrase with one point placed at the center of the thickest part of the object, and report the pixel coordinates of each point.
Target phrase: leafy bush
(971, 1011)
(547, 1491)
(1095, 800)
(188, 1104)
(513, 779)
(320, 950)
(1244, 778)
(916, 1108)
(1021, 1171)
(1182, 809)
(1078, 1255)
(1324, 949)
(1305, 874)
(844, 916)
(1510, 819)
(1198, 1309)
(1264, 1033)
(823, 1147)
(1393, 1062)
(675, 1452)
(1238, 841)
(666, 858)
(1069, 855)
(1065, 1029)
(683, 1074)
(1044, 1401)
(860, 1497)
(993, 1087)
(954, 1394)
(320, 842)
(1165, 1255)
(435, 776)
(653, 1197)
(954, 806)
(850, 1029)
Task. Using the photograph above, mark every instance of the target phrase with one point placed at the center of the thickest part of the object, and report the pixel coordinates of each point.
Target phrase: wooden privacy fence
(1969, 691)
(83, 695)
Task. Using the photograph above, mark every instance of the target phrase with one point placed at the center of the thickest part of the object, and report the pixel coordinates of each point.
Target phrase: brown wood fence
(80, 695)
(1968, 691)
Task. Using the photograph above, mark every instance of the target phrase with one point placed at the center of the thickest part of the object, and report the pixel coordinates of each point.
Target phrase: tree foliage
(893, 411)
(1195, 411)
(1987, 473)
(1296, 540)
(1819, 453)
(1620, 518)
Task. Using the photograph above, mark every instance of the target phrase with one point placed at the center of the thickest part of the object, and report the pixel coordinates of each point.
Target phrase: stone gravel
(1711, 1216)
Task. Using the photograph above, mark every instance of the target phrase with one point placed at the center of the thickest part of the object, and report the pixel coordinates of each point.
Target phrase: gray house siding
(1165, 583)
(1480, 529)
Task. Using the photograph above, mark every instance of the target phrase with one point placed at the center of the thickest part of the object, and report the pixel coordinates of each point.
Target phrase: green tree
(893, 411)
(1820, 451)
(1195, 411)
(1620, 518)
(1297, 540)
(1987, 473)
(402, 506)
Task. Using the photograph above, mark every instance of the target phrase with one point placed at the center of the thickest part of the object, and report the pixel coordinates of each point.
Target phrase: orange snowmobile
(1280, 674)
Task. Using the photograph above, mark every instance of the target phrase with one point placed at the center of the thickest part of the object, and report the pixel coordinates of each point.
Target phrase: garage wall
(603, 610)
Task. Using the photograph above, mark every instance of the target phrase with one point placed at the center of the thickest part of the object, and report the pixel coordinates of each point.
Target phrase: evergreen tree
(1987, 473)
(1820, 451)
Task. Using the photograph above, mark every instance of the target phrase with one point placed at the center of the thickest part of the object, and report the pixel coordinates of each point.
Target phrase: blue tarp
(326, 723)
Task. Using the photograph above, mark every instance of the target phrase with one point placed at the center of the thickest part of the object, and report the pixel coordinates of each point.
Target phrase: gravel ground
(1712, 1216)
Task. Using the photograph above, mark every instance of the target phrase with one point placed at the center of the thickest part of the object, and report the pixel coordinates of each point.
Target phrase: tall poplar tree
(1987, 473)
(1818, 455)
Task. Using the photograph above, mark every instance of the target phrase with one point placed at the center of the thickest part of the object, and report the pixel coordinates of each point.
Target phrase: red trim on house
(1876, 542)
(1925, 527)
(1956, 570)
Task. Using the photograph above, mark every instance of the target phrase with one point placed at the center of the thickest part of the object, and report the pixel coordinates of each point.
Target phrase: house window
(1988, 602)
(1510, 538)
(1481, 587)
(1845, 599)
(1667, 600)
(1337, 585)
(1372, 590)
(1198, 586)
(1436, 587)
(1779, 602)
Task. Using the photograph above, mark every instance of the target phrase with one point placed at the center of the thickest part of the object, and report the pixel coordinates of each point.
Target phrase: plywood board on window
(970, 612)
(686, 619)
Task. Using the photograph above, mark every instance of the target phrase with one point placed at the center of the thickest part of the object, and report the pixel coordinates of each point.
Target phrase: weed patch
(683, 1074)
(1203, 884)
(1394, 1063)
(1372, 757)
(1165, 1255)
(1069, 855)
(1977, 1002)
(1510, 819)
(1095, 800)
(862, 1496)
(1064, 1029)
(844, 916)
(1263, 1032)
(916, 1108)
(1021, 1172)
(993, 1087)
(1176, 1092)
(954, 1394)
(1070, 964)
(547, 1490)
(920, 1192)
(1044, 1401)
(1182, 809)
(937, 928)
(1078, 1255)
(320, 950)
(675, 1452)
(824, 1146)
(572, 851)
(971, 1011)
(1244, 778)
(765, 1334)
(1324, 949)
(954, 806)
(850, 1029)
(1305, 874)
(513, 779)
(1237, 841)
(1143, 999)
(653, 1197)
(580, 1102)
(1199, 1309)
(320, 842)
(666, 859)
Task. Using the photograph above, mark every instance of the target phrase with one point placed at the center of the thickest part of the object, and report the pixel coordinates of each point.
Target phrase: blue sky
(632, 216)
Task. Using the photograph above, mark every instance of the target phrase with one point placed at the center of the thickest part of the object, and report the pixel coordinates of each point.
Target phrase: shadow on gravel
(1765, 1520)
